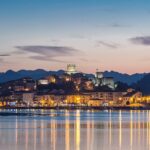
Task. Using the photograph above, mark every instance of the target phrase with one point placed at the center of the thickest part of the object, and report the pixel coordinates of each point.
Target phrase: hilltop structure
(100, 80)
(71, 69)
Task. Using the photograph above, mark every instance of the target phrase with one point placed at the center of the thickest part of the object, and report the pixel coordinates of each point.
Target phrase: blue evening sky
(48, 34)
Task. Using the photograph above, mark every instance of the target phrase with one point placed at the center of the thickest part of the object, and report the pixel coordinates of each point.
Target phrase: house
(131, 97)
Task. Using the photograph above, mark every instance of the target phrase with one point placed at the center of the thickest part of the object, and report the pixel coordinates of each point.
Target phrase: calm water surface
(74, 130)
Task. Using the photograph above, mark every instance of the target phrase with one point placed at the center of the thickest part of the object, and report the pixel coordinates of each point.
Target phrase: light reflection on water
(74, 130)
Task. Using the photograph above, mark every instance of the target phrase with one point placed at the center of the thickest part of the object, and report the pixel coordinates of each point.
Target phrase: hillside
(39, 73)
(144, 84)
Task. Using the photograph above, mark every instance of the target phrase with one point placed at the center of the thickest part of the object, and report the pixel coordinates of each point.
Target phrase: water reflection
(120, 129)
(53, 132)
(26, 134)
(110, 129)
(76, 130)
(131, 128)
(67, 131)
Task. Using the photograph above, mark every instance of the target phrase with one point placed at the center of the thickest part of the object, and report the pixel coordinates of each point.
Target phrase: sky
(93, 34)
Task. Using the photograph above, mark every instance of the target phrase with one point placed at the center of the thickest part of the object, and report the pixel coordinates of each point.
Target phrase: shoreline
(80, 108)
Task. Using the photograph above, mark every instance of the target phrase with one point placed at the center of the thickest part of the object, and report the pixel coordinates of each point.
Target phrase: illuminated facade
(94, 103)
(108, 81)
(88, 85)
(100, 80)
(2, 104)
(28, 98)
(43, 82)
(107, 96)
(131, 98)
(44, 100)
(99, 75)
(71, 69)
(51, 79)
(77, 99)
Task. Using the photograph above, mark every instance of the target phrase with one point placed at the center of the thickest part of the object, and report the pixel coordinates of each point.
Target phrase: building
(44, 100)
(30, 86)
(107, 97)
(43, 82)
(28, 98)
(108, 81)
(71, 69)
(88, 85)
(131, 97)
(18, 88)
(24, 84)
(98, 74)
(80, 100)
(51, 79)
(100, 80)
(65, 77)
(94, 103)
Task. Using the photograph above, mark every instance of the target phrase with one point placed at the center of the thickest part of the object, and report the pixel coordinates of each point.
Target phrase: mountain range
(40, 73)
(143, 85)
(139, 81)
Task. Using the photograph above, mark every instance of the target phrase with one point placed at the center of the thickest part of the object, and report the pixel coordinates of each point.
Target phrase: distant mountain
(125, 78)
(144, 85)
(40, 73)
(9, 75)
(35, 74)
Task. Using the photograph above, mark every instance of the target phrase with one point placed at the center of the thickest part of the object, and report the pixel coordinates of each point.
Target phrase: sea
(33, 129)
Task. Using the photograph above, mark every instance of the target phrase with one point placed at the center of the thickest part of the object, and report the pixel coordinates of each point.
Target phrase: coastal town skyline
(91, 34)
(74, 74)
(73, 89)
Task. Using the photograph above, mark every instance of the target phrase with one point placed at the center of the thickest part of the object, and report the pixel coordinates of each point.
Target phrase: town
(71, 89)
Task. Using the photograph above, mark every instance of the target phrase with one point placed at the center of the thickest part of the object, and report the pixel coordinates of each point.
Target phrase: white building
(99, 75)
(108, 81)
(100, 80)
(43, 82)
(28, 98)
(71, 69)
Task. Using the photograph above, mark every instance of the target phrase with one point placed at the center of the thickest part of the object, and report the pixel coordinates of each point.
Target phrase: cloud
(143, 40)
(114, 25)
(47, 53)
(106, 44)
(117, 25)
(1, 60)
(4, 55)
(44, 58)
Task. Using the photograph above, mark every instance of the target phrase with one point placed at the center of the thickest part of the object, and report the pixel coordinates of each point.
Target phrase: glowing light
(110, 126)
(67, 131)
(120, 128)
(78, 130)
(131, 128)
